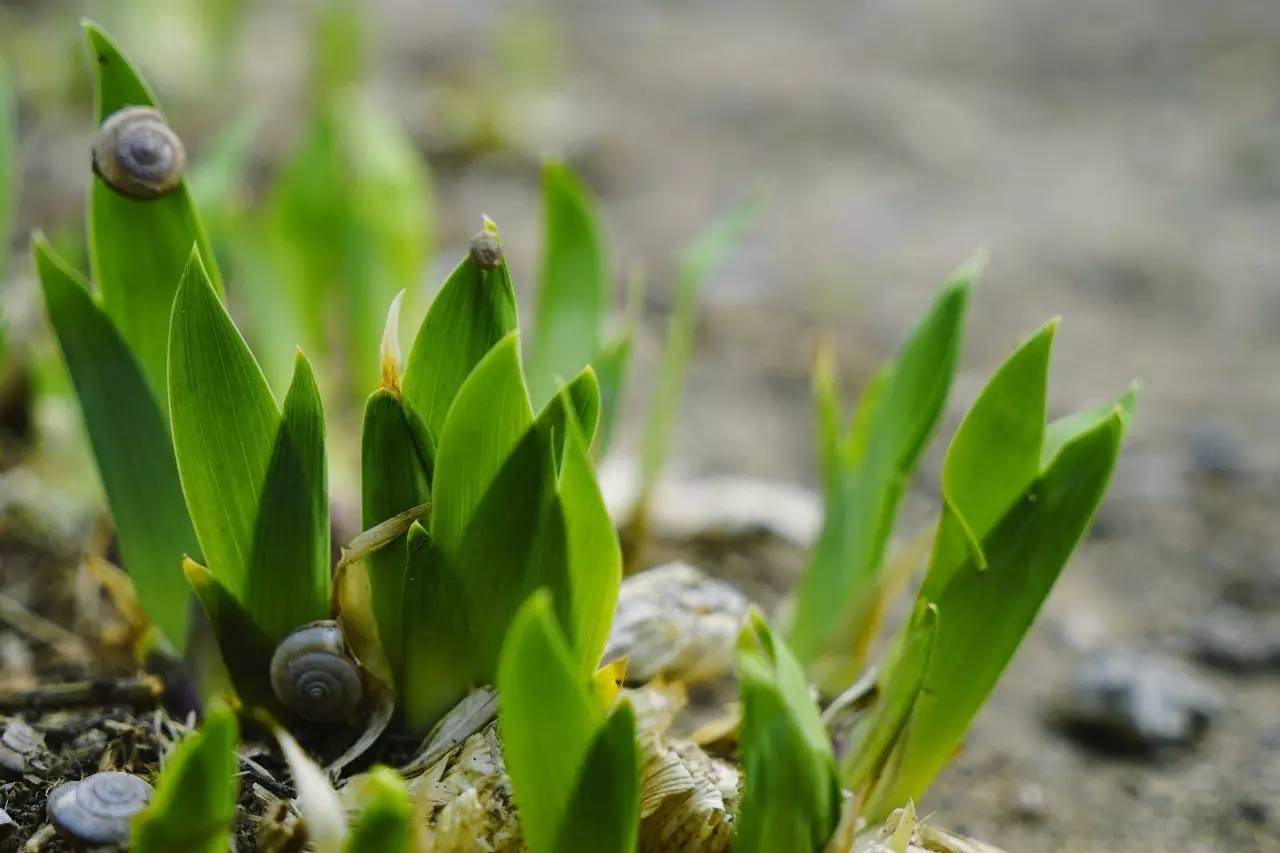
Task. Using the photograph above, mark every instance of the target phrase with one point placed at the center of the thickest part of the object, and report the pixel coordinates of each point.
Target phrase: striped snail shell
(138, 155)
(314, 676)
(96, 810)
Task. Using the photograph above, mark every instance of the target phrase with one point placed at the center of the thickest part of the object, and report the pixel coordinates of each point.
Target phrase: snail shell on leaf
(314, 676)
(138, 155)
(96, 810)
(486, 250)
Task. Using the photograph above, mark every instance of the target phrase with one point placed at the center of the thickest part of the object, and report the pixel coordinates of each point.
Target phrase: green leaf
(549, 720)
(194, 805)
(582, 395)
(514, 544)
(396, 459)
(138, 249)
(707, 252)
(594, 556)
(986, 612)
(8, 164)
(1064, 429)
(224, 427)
(131, 445)
(246, 651)
(996, 450)
(287, 584)
(346, 226)
(791, 799)
(611, 370)
(384, 823)
(489, 418)
(574, 291)
(474, 310)
(865, 472)
(438, 653)
(604, 812)
(612, 363)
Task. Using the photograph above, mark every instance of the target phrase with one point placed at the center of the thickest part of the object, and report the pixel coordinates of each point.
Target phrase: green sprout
(865, 468)
(786, 754)
(573, 764)
(195, 798)
(1017, 496)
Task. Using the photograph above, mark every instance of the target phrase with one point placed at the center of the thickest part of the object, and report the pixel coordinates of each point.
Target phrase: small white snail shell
(138, 155)
(18, 744)
(96, 810)
(313, 675)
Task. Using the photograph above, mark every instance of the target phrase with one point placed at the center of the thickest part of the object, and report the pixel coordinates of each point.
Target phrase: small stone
(1235, 640)
(1135, 702)
(1030, 802)
(1216, 452)
(1255, 590)
(1252, 811)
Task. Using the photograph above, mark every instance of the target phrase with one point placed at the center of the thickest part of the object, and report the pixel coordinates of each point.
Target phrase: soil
(1121, 164)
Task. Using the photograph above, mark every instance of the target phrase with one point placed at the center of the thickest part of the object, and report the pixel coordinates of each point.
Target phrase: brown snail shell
(96, 810)
(314, 676)
(138, 155)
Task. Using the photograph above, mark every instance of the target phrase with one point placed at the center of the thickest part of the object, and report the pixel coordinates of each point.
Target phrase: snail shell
(96, 810)
(313, 675)
(486, 250)
(18, 745)
(138, 155)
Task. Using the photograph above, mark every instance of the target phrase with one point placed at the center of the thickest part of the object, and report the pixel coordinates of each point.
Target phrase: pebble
(1124, 700)
(1237, 641)
(1216, 452)
(1255, 590)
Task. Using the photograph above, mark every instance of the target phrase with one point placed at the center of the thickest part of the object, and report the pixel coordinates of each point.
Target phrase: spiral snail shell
(486, 250)
(96, 810)
(313, 675)
(18, 745)
(137, 154)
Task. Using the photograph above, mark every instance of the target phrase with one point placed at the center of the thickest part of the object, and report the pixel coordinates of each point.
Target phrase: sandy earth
(1120, 162)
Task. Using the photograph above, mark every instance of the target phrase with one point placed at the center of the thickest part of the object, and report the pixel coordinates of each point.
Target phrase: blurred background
(1119, 162)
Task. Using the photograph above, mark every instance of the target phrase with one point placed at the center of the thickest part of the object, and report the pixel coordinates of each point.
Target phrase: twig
(42, 630)
(42, 837)
(138, 691)
(264, 778)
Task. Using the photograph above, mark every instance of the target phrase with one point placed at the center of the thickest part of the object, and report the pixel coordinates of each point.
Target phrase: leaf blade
(573, 290)
(548, 720)
(131, 444)
(287, 580)
(792, 797)
(223, 441)
(395, 476)
(865, 472)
